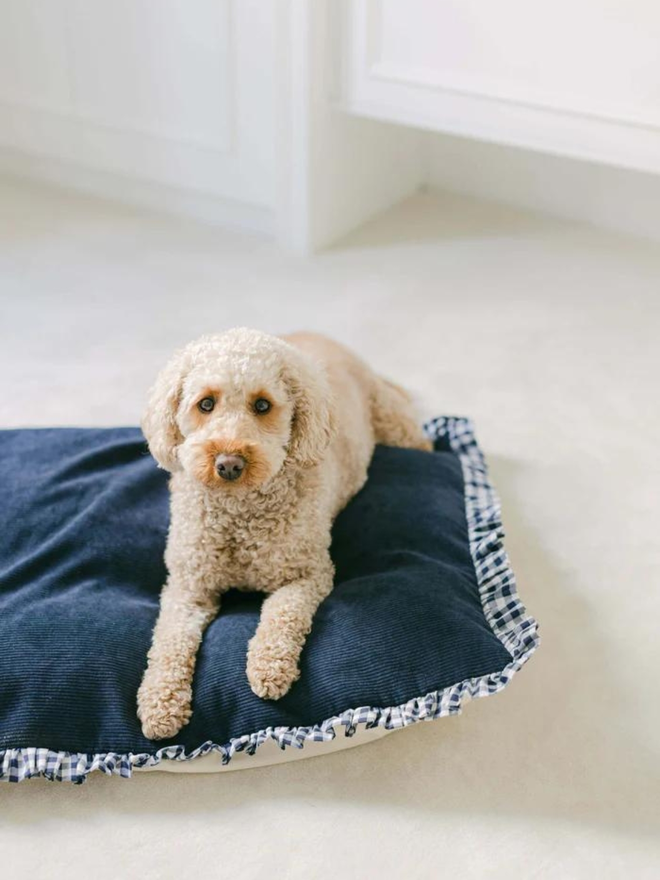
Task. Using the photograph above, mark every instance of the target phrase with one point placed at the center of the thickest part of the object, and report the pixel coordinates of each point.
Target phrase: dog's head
(232, 409)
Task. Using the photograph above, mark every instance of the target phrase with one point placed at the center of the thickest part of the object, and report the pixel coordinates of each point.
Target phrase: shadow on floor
(443, 216)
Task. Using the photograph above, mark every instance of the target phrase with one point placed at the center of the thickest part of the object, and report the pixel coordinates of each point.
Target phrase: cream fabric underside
(270, 753)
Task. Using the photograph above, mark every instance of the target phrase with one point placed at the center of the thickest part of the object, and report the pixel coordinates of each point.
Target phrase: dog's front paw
(163, 709)
(271, 671)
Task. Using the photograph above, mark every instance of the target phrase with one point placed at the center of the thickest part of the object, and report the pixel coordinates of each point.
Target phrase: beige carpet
(547, 335)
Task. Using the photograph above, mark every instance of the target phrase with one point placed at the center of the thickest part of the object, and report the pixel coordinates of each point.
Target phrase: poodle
(267, 439)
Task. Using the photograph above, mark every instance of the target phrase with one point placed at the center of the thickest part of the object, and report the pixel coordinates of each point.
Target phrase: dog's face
(236, 432)
(230, 410)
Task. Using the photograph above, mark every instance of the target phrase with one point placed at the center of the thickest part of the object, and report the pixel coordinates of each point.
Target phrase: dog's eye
(261, 406)
(206, 404)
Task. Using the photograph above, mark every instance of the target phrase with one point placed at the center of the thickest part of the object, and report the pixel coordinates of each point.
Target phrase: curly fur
(270, 529)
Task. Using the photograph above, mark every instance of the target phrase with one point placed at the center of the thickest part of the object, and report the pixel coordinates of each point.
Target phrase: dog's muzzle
(229, 467)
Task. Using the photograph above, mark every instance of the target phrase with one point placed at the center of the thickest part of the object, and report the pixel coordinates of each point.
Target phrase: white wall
(577, 78)
(144, 98)
(217, 108)
(235, 110)
(553, 107)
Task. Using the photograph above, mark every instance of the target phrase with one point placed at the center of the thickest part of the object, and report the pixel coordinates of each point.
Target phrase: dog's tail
(393, 417)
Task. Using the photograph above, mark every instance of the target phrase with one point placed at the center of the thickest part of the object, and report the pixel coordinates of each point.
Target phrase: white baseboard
(140, 193)
(614, 198)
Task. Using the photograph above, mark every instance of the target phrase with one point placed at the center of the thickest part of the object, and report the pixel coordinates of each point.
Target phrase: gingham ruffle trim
(503, 609)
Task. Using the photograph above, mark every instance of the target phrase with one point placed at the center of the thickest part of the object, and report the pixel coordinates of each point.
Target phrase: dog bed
(424, 614)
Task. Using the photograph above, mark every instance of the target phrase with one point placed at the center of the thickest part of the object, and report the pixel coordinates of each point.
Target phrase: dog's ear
(159, 423)
(313, 422)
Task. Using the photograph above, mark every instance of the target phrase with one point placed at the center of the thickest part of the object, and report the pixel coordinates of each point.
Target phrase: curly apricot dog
(267, 440)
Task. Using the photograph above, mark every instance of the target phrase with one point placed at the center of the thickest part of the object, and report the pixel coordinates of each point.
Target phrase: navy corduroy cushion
(83, 523)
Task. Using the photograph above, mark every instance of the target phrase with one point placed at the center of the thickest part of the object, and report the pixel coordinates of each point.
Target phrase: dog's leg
(165, 695)
(286, 620)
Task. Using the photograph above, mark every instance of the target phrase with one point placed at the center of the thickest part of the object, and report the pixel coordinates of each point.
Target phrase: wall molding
(224, 147)
(125, 153)
(429, 79)
(139, 193)
(462, 84)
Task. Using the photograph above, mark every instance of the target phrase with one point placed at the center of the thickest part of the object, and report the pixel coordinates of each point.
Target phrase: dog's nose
(229, 467)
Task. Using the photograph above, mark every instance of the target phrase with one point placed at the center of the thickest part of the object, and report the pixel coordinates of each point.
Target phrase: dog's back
(368, 410)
